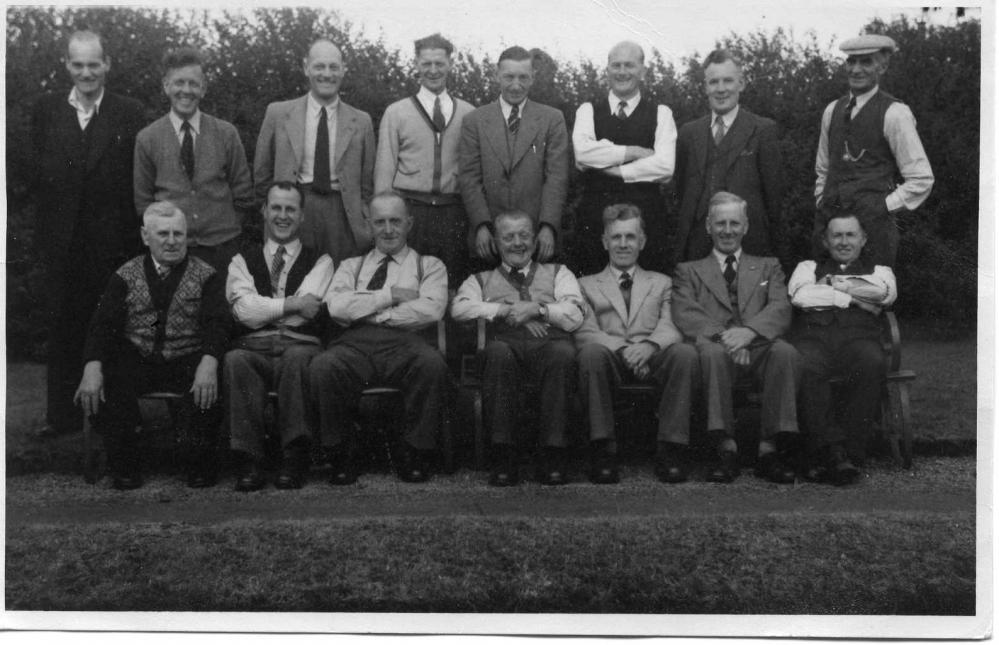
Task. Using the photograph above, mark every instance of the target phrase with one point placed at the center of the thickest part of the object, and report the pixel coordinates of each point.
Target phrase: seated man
(533, 308)
(161, 325)
(628, 335)
(275, 291)
(837, 330)
(734, 307)
(383, 299)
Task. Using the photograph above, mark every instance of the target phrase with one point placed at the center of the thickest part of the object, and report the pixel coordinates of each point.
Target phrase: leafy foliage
(255, 57)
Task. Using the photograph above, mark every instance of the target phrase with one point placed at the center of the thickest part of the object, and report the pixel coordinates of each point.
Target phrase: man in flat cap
(870, 156)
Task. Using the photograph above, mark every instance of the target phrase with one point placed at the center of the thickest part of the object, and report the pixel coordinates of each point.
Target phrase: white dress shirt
(876, 288)
(721, 257)
(566, 312)
(506, 108)
(603, 153)
(427, 98)
(178, 124)
(728, 119)
(312, 109)
(349, 300)
(83, 115)
(906, 147)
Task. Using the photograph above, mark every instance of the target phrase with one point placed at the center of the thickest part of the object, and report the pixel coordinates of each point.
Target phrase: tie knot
(730, 259)
(280, 251)
(185, 125)
(514, 110)
(322, 112)
(163, 270)
(625, 281)
(386, 260)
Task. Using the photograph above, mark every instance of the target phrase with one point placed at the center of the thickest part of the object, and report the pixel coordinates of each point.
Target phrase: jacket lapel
(495, 131)
(703, 142)
(294, 125)
(639, 292)
(748, 279)
(735, 140)
(612, 291)
(100, 136)
(713, 279)
(346, 124)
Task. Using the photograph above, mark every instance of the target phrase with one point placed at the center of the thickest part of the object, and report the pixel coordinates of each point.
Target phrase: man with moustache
(627, 336)
(733, 150)
(275, 291)
(625, 145)
(533, 307)
(328, 148)
(81, 175)
(383, 300)
(195, 161)
(162, 325)
(418, 157)
(514, 155)
(869, 153)
(733, 306)
(838, 331)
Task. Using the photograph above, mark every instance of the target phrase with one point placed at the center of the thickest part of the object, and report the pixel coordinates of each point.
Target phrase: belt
(433, 199)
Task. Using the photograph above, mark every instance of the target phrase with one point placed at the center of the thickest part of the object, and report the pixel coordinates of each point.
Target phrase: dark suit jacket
(92, 199)
(533, 178)
(610, 323)
(748, 163)
(281, 146)
(701, 306)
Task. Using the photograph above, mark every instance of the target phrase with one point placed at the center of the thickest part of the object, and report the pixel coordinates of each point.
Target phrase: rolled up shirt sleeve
(591, 152)
(469, 305)
(910, 157)
(660, 165)
(566, 312)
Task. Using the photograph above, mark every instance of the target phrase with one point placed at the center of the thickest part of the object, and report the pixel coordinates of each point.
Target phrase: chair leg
(447, 441)
(898, 394)
(91, 453)
(480, 432)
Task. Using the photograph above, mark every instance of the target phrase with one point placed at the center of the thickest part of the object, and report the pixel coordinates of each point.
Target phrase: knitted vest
(639, 129)
(860, 159)
(183, 333)
(539, 286)
(253, 255)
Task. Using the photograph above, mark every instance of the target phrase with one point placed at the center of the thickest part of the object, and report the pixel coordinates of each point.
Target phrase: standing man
(533, 308)
(418, 157)
(838, 332)
(326, 146)
(162, 325)
(734, 307)
(514, 156)
(870, 155)
(81, 160)
(195, 161)
(275, 292)
(628, 335)
(733, 150)
(625, 145)
(383, 299)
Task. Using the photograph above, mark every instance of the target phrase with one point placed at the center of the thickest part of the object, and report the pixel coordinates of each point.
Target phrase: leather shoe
(294, 466)
(413, 468)
(343, 473)
(771, 466)
(505, 471)
(841, 470)
(199, 479)
(126, 482)
(670, 468)
(726, 469)
(250, 479)
(603, 468)
(554, 469)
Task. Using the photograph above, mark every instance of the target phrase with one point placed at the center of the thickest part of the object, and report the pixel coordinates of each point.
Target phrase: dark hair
(87, 35)
(181, 57)
(434, 41)
(516, 53)
(621, 212)
(720, 56)
(838, 210)
(288, 185)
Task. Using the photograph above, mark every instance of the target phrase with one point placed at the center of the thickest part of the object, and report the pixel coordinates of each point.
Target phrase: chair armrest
(892, 341)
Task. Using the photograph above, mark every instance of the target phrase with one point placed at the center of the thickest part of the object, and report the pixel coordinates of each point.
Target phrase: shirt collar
(377, 255)
(506, 107)
(291, 248)
(614, 101)
(862, 99)
(720, 257)
(728, 118)
(195, 122)
(74, 100)
(315, 106)
(525, 269)
(426, 96)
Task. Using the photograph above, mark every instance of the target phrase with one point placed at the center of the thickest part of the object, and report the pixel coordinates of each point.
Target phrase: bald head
(627, 48)
(324, 68)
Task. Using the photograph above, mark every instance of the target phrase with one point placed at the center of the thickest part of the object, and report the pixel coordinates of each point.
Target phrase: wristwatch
(543, 312)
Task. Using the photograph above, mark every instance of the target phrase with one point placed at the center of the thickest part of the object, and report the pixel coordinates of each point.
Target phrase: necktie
(381, 273)
(277, 266)
(163, 271)
(518, 276)
(626, 283)
(513, 122)
(187, 150)
(621, 114)
(321, 163)
(729, 272)
(849, 109)
(719, 129)
(438, 115)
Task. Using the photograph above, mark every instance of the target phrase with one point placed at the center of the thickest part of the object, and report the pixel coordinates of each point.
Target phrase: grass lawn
(786, 563)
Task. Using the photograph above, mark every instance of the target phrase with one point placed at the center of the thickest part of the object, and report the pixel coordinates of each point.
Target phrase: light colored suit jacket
(281, 146)
(532, 177)
(701, 306)
(609, 323)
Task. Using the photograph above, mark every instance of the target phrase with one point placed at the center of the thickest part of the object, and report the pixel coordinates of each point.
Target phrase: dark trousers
(512, 358)
(369, 355)
(217, 256)
(775, 366)
(674, 370)
(74, 288)
(250, 371)
(126, 378)
(441, 231)
(860, 362)
(326, 227)
(588, 255)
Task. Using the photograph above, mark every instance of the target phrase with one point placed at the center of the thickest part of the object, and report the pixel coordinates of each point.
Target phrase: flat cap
(867, 44)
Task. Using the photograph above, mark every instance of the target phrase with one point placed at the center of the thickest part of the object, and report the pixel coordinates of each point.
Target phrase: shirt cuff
(894, 203)
(841, 299)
